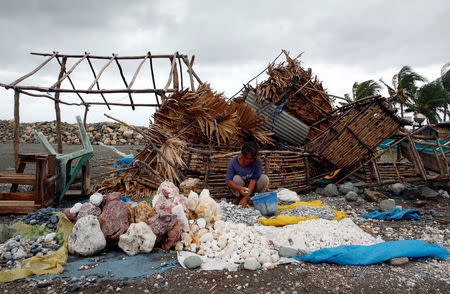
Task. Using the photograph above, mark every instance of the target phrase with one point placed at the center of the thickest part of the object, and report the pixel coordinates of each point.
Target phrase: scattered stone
(74, 287)
(374, 196)
(193, 261)
(426, 192)
(251, 264)
(320, 212)
(347, 187)
(435, 213)
(50, 237)
(420, 203)
(4, 233)
(44, 216)
(114, 220)
(86, 238)
(387, 205)
(76, 207)
(287, 251)
(397, 187)
(351, 196)
(88, 209)
(330, 190)
(398, 260)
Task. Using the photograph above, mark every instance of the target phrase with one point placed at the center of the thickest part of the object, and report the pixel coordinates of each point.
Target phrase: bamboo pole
(153, 77)
(101, 71)
(16, 128)
(13, 84)
(71, 82)
(181, 70)
(192, 71)
(86, 91)
(57, 109)
(175, 73)
(105, 57)
(170, 74)
(395, 164)
(125, 82)
(137, 72)
(191, 78)
(97, 83)
(61, 79)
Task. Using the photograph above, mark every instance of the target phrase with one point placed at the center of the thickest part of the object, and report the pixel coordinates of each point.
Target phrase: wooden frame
(175, 78)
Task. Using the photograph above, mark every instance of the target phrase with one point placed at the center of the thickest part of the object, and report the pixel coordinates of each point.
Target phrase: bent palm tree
(404, 85)
(364, 89)
(428, 100)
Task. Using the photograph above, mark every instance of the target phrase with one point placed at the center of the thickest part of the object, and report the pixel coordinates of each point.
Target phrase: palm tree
(428, 100)
(445, 81)
(364, 89)
(404, 85)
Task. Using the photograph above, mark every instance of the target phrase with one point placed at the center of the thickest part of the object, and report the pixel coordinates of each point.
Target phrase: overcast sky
(342, 41)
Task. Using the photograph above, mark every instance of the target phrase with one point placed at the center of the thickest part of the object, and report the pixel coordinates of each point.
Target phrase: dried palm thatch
(201, 118)
(302, 92)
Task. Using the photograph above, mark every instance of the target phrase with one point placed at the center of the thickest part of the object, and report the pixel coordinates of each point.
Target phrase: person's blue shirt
(250, 172)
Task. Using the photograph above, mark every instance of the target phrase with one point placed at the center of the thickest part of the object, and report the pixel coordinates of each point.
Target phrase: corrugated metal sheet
(285, 126)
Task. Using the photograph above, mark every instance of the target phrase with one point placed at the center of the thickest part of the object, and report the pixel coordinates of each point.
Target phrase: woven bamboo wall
(284, 169)
(388, 174)
(356, 134)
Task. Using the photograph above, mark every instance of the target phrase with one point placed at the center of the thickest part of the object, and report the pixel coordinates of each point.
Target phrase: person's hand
(244, 202)
(245, 192)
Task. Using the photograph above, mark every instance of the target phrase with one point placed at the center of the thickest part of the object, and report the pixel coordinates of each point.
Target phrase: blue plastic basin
(266, 203)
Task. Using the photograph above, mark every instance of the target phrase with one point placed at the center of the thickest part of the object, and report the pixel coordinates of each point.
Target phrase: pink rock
(162, 222)
(173, 235)
(113, 196)
(114, 220)
(70, 216)
(88, 209)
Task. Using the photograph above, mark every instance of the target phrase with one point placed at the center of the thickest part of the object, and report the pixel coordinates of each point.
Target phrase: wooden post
(153, 77)
(57, 109)
(85, 115)
(191, 78)
(16, 128)
(395, 164)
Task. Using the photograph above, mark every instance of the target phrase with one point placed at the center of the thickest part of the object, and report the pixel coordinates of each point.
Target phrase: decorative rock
(397, 187)
(251, 264)
(112, 197)
(426, 192)
(208, 208)
(201, 222)
(70, 216)
(351, 196)
(162, 222)
(191, 184)
(114, 220)
(387, 205)
(173, 235)
(287, 251)
(374, 196)
(143, 212)
(398, 260)
(88, 209)
(86, 238)
(96, 199)
(192, 201)
(138, 238)
(347, 187)
(193, 261)
(76, 207)
(181, 216)
(330, 190)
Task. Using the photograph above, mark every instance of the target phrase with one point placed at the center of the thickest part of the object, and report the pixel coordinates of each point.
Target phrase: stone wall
(106, 132)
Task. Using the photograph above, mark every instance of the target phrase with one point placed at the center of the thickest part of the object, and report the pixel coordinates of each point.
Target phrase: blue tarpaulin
(394, 214)
(364, 255)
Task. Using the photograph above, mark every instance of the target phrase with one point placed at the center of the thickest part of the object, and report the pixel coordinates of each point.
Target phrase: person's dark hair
(250, 148)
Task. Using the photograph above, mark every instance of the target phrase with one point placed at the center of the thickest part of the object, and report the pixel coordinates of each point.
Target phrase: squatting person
(244, 174)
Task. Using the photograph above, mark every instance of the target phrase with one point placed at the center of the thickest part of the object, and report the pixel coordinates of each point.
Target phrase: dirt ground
(417, 276)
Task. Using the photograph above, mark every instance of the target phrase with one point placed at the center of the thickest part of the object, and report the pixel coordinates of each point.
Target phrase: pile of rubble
(106, 132)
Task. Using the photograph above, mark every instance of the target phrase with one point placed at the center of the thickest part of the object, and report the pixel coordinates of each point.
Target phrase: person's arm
(251, 187)
(244, 191)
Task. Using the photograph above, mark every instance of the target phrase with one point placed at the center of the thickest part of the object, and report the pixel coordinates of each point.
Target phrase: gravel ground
(417, 276)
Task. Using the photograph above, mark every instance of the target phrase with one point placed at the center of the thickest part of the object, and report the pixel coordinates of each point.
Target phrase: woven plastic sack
(283, 220)
(51, 264)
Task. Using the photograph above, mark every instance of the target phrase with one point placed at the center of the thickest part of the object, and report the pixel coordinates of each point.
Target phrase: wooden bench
(43, 182)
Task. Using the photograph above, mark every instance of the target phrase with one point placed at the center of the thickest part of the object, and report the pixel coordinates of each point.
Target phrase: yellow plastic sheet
(51, 264)
(283, 220)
